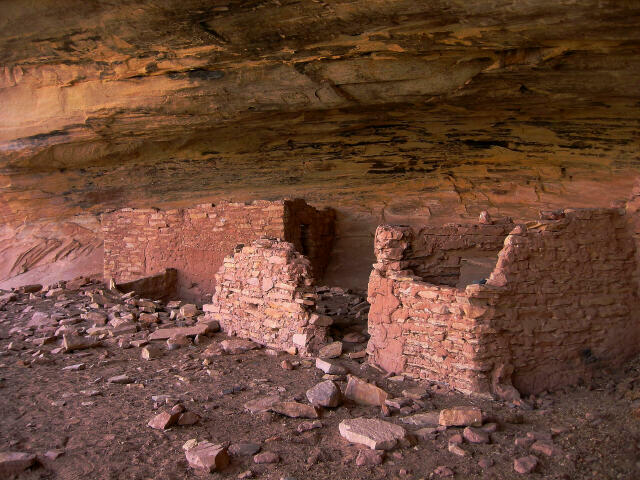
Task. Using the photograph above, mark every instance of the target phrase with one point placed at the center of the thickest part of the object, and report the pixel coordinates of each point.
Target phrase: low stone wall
(265, 292)
(143, 242)
(560, 303)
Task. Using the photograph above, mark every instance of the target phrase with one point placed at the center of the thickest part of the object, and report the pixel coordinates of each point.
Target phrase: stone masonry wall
(559, 304)
(143, 242)
(562, 301)
(265, 292)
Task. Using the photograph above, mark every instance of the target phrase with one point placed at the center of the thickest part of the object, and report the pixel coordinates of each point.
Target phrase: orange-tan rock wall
(560, 304)
(264, 292)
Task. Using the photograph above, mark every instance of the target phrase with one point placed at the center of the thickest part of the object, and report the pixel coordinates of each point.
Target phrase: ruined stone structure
(560, 302)
(143, 242)
(264, 291)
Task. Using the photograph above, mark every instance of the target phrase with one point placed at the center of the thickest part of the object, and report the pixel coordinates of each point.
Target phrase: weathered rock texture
(397, 111)
(265, 292)
(560, 302)
(143, 242)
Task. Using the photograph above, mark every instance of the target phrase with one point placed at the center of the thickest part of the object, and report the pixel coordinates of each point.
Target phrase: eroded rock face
(396, 112)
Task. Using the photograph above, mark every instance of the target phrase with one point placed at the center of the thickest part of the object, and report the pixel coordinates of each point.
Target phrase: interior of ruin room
(320, 239)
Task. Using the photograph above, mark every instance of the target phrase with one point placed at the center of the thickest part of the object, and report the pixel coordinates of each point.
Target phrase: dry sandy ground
(100, 429)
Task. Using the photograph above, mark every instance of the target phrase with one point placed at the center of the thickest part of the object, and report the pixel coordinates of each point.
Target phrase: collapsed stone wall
(559, 304)
(144, 242)
(265, 292)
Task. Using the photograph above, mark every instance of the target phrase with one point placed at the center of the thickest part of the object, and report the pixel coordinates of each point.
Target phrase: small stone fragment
(416, 393)
(331, 368)
(261, 404)
(306, 426)
(426, 433)
(238, 345)
(485, 462)
(369, 457)
(53, 454)
(120, 379)
(428, 419)
(74, 368)
(208, 457)
(286, 365)
(189, 444)
(443, 471)
(525, 464)
(189, 310)
(325, 394)
(461, 417)
(475, 435)
(294, 410)
(166, 333)
(74, 342)
(332, 350)
(364, 393)
(544, 447)
(375, 434)
(163, 420)
(243, 449)
(178, 340)
(266, 457)
(354, 337)
(151, 352)
(456, 449)
(188, 418)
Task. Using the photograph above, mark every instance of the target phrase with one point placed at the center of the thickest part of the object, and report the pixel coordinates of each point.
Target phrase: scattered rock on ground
(14, 463)
(375, 434)
(325, 394)
(332, 350)
(525, 464)
(364, 393)
(461, 417)
(294, 410)
(236, 346)
(266, 457)
(244, 449)
(369, 457)
(208, 457)
(163, 420)
(329, 367)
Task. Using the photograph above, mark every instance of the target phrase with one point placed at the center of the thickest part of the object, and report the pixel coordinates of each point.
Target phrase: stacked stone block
(559, 304)
(143, 242)
(265, 292)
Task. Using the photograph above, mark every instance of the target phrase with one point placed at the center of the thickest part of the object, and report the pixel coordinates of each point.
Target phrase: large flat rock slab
(165, 333)
(375, 434)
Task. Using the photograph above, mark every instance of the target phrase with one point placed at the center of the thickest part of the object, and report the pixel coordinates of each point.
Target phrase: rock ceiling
(389, 110)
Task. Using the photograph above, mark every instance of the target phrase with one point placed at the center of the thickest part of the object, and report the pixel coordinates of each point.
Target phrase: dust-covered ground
(81, 425)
